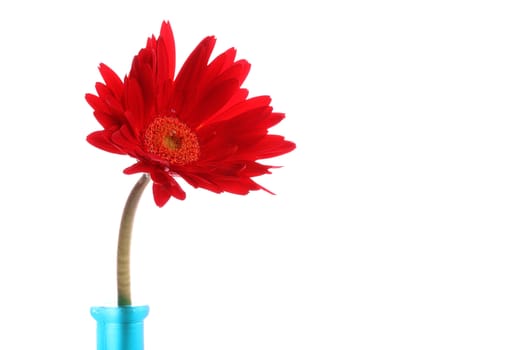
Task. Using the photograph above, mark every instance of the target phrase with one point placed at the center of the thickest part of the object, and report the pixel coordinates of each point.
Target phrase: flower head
(199, 126)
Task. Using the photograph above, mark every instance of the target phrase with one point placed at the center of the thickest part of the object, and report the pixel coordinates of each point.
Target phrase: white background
(398, 222)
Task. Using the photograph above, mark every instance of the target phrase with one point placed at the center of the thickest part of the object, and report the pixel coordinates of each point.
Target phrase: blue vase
(120, 328)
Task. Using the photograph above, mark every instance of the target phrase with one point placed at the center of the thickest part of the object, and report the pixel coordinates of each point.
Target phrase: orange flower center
(171, 140)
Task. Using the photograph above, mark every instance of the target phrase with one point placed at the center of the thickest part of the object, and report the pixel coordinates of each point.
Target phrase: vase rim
(120, 314)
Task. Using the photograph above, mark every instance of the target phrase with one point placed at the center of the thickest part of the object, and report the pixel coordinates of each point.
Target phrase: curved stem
(124, 241)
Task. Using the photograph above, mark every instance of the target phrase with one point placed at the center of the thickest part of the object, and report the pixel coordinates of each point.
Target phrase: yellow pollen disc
(171, 140)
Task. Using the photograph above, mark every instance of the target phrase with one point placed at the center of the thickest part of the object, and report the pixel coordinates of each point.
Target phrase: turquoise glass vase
(120, 328)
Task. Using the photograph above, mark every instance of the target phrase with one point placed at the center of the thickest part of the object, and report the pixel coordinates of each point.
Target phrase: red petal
(239, 71)
(138, 167)
(125, 140)
(242, 107)
(135, 105)
(106, 96)
(161, 194)
(97, 104)
(272, 146)
(102, 140)
(166, 50)
(112, 79)
(164, 186)
(219, 64)
(273, 119)
(143, 70)
(189, 77)
(198, 181)
(220, 183)
(212, 101)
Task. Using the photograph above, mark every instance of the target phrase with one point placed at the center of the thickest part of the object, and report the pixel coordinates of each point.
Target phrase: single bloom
(199, 125)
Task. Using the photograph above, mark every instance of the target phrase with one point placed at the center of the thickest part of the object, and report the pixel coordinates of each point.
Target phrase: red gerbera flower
(199, 125)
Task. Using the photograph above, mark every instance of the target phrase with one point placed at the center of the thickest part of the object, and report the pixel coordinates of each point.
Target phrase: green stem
(124, 242)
